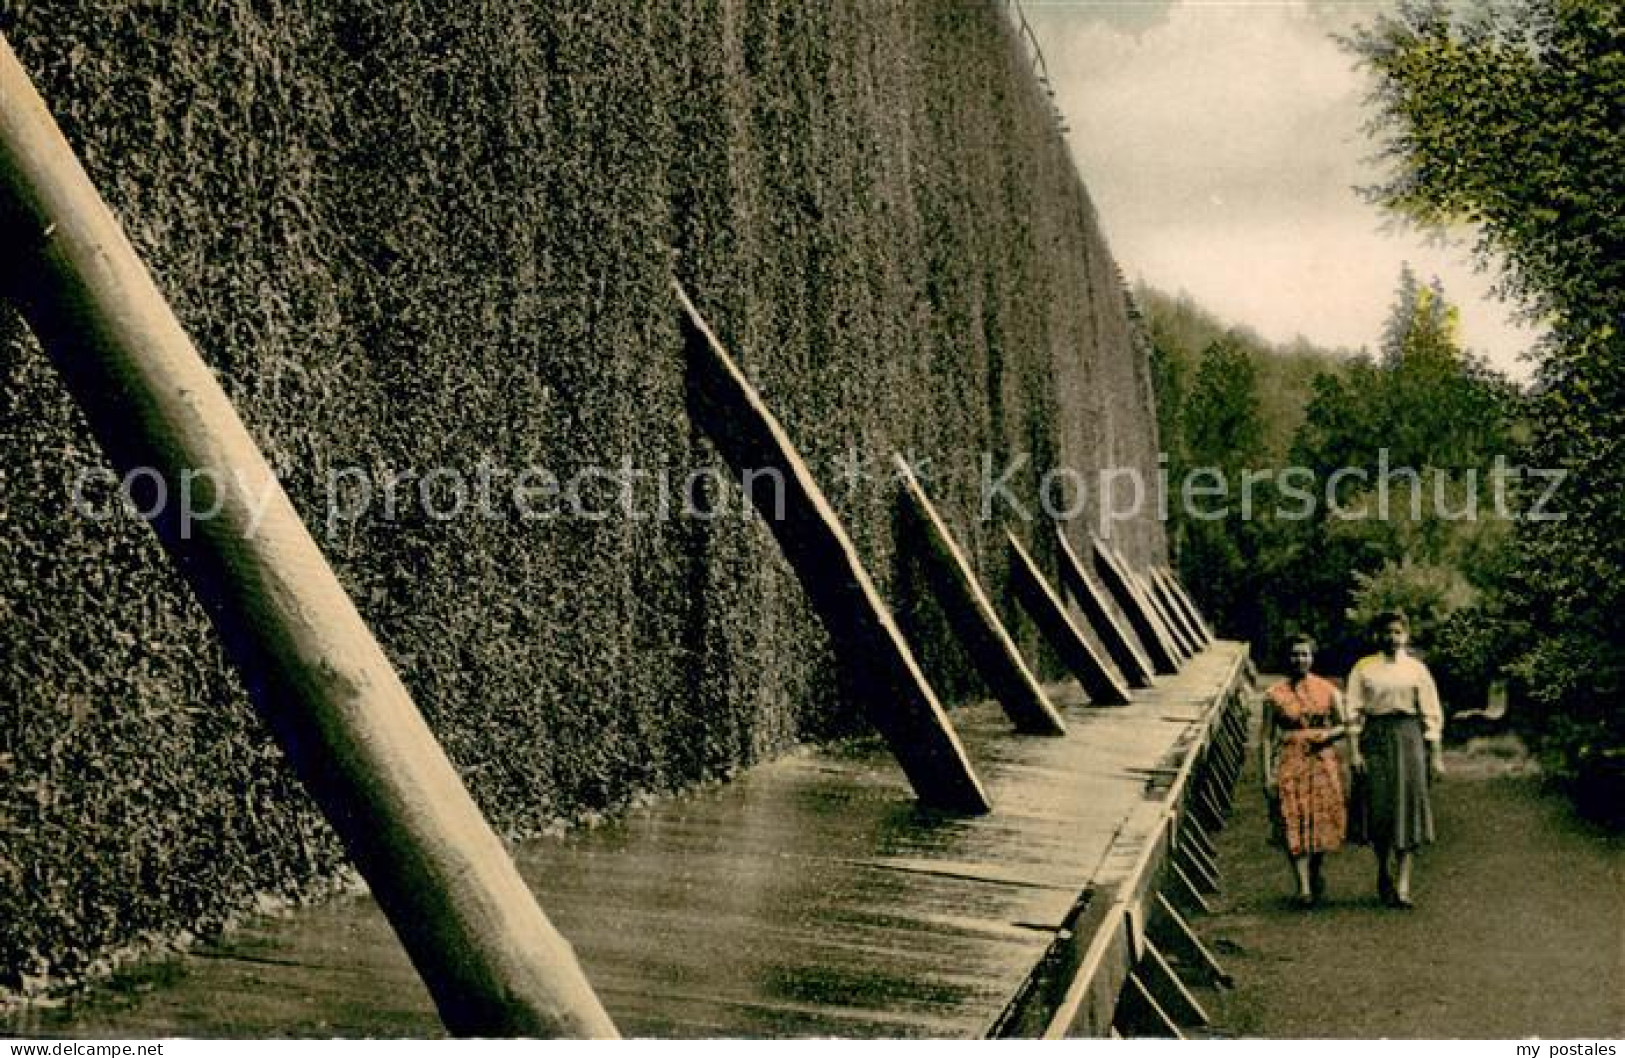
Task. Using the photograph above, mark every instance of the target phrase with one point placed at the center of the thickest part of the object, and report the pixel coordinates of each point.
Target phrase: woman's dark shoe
(1403, 902)
(1303, 901)
(1317, 887)
(1385, 890)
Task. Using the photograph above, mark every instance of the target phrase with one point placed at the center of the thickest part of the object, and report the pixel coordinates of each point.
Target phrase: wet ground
(1519, 929)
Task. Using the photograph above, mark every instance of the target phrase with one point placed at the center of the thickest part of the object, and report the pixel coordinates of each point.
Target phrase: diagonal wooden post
(1170, 621)
(1152, 604)
(1169, 990)
(1159, 605)
(1176, 606)
(1136, 609)
(1189, 639)
(1173, 932)
(1135, 666)
(1049, 614)
(490, 958)
(1139, 1015)
(1150, 601)
(876, 664)
(975, 621)
(1190, 604)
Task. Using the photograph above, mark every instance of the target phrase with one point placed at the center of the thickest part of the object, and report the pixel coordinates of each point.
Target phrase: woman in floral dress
(1303, 777)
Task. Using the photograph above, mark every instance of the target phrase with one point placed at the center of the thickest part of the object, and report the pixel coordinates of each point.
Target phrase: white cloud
(1222, 146)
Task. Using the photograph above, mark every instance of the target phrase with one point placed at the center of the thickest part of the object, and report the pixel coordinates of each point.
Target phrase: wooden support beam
(1200, 859)
(1235, 762)
(1181, 603)
(974, 621)
(1239, 717)
(1236, 704)
(1139, 1015)
(1205, 879)
(1154, 604)
(491, 960)
(1135, 666)
(1224, 759)
(1048, 613)
(1204, 812)
(1153, 576)
(1214, 811)
(1155, 644)
(1228, 759)
(1221, 788)
(1170, 992)
(1230, 732)
(1190, 603)
(1204, 791)
(1094, 984)
(1185, 891)
(1190, 830)
(1209, 782)
(877, 668)
(1169, 627)
(1236, 721)
(1176, 615)
(1232, 745)
(1173, 933)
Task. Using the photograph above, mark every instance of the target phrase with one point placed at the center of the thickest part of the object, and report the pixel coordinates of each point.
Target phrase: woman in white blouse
(1394, 711)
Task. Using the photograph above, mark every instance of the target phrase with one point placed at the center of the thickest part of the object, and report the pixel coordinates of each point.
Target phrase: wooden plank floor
(811, 897)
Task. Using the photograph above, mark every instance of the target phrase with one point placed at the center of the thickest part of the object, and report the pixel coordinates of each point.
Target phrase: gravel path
(1519, 929)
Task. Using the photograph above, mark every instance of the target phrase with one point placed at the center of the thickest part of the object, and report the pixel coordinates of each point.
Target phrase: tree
(1509, 118)
(1223, 424)
(1224, 434)
(1426, 408)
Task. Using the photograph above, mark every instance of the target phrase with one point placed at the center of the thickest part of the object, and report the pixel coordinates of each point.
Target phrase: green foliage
(1509, 117)
(1227, 399)
(1428, 594)
(1224, 426)
(1181, 330)
(1469, 654)
(1223, 432)
(1459, 630)
(1426, 401)
(1423, 423)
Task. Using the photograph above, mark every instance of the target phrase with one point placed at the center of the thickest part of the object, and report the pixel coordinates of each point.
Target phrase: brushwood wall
(418, 240)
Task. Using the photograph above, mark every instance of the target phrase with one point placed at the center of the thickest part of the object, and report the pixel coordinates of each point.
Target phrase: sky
(1222, 142)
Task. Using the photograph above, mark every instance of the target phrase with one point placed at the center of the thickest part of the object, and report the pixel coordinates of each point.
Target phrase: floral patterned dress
(1313, 813)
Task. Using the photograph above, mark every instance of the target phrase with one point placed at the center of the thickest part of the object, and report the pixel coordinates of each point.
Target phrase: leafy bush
(1427, 594)
(1540, 184)
(1471, 651)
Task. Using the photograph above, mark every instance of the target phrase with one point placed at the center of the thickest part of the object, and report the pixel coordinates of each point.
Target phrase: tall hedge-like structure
(412, 237)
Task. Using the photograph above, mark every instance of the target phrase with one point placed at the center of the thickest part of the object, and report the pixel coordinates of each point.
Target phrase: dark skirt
(1398, 811)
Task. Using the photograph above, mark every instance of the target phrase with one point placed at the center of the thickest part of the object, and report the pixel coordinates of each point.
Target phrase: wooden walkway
(811, 897)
